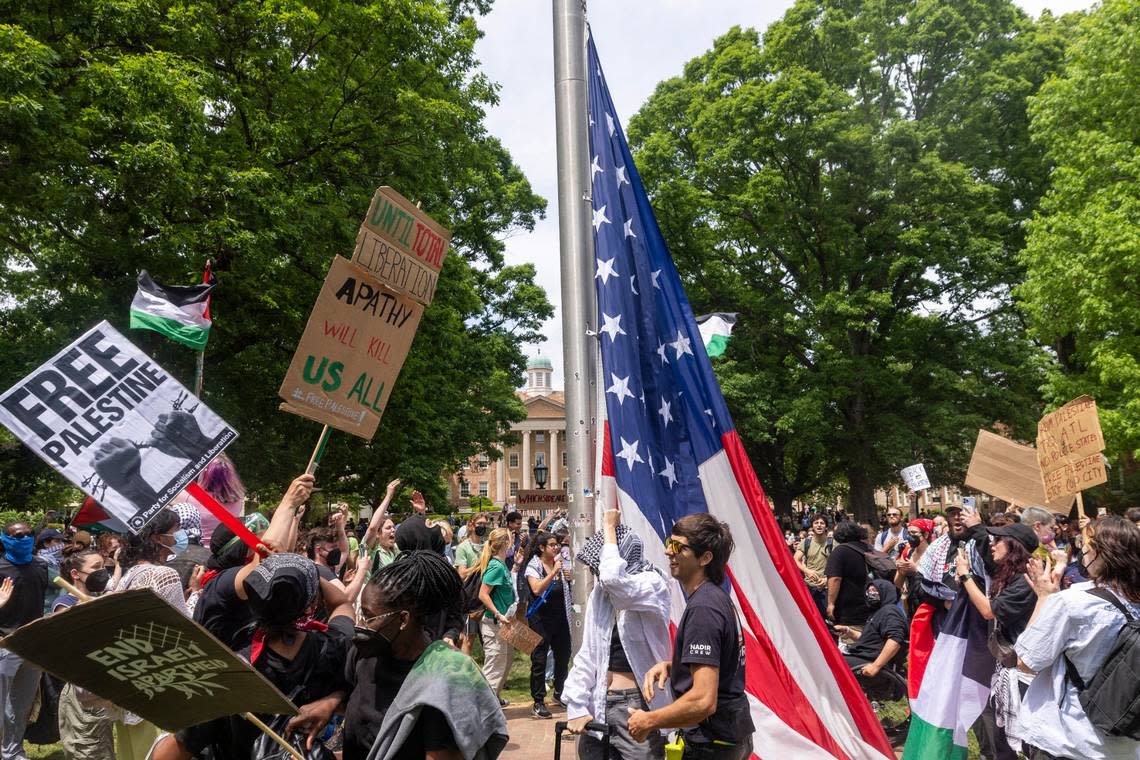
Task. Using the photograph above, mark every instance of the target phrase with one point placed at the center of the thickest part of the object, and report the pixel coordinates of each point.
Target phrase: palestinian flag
(180, 312)
(715, 329)
(955, 688)
(92, 517)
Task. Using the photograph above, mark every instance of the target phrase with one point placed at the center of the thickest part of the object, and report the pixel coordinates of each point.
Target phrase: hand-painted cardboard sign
(401, 246)
(134, 649)
(115, 424)
(915, 477)
(1069, 442)
(1010, 471)
(541, 499)
(358, 336)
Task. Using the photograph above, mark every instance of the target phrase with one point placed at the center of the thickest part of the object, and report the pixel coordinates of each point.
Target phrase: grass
(45, 751)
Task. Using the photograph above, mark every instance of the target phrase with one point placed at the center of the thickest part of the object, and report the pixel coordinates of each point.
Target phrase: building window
(540, 458)
(514, 488)
(540, 437)
(483, 460)
(464, 488)
(513, 461)
(565, 485)
(564, 459)
(483, 490)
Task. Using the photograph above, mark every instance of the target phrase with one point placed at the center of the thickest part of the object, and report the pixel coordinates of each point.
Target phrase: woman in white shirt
(1082, 627)
(626, 633)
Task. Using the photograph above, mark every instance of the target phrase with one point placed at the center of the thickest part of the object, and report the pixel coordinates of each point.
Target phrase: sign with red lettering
(115, 424)
(401, 246)
(541, 499)
(1069, 442)
(354, 345)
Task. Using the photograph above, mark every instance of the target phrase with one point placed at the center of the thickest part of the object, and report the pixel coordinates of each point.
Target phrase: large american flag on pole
(669, 449)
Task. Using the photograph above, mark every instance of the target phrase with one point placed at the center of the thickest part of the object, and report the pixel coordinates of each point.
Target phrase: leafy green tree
(854, 187)
(1083, 254)
(156, 134)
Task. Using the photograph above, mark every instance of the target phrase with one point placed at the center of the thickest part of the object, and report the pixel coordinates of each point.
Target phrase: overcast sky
(640, 42)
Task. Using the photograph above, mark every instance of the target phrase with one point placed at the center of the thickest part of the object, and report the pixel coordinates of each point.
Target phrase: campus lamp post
(540, 471)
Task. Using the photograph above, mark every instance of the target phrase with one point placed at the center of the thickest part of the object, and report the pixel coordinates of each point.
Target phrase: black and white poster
(115, 424)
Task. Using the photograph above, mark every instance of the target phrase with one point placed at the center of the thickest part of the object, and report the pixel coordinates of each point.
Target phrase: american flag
(669, 449)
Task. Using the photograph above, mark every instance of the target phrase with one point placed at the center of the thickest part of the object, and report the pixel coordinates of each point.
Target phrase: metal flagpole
(579, 313)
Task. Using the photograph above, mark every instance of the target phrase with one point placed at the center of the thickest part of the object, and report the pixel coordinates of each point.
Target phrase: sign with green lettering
(115, 424)
(134, 649)
(356, 341)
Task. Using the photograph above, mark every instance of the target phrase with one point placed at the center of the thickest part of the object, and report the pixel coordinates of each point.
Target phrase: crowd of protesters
(1056, 594)
(375, 630)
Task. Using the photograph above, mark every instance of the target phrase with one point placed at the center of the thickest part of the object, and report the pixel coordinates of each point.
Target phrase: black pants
(555, 632)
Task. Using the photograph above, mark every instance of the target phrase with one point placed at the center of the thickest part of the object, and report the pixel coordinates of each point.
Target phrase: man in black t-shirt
(18, 677)
(847, 577)
(707, 669)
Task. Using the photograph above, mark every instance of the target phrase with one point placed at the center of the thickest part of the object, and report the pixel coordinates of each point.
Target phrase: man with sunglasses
(19, 679)
(707, 670)
(891, 539)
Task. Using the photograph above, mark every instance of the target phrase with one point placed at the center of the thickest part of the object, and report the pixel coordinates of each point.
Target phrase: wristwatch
(964, 577)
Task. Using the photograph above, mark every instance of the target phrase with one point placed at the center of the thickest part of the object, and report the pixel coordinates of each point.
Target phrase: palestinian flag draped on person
(180, 312)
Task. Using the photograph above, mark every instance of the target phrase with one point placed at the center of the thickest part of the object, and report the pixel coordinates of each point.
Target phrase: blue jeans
(19, 681)
(622, 745)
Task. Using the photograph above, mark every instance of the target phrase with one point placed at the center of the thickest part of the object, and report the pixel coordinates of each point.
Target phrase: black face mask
(913, 540)
(872, 598)
(333, 558)
(370, 643)
(97, 581)
(480, 530)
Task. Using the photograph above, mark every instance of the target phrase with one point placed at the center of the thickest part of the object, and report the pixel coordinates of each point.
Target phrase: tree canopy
(158, 134)
(855, 185)
(1082, 256)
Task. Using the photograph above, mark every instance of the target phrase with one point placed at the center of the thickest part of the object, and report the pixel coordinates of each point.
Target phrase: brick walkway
(533, 739)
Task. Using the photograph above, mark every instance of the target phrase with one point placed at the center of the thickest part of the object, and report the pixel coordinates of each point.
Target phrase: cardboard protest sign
(541, 499)
(1009, 471)
(915, 477)
(358, 336)
(1069, 442)
(115, 424)
(136, 650)
(401, 246)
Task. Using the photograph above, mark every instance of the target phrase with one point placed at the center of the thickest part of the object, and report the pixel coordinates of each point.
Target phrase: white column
(526, 463)
(555, 481)
(501, 477)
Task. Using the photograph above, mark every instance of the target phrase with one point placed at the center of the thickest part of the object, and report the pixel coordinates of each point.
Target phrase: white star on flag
(612, 326)
(610, 124)
(661, 353)
(629, 228)
(620, 171)
(711, 417)
(606, 269)
(656, 274)
(669, 473)
(633, 284)
(629, 453)
(619, 387)
(666, 415)
(682, 345)
(600, 218)
(595, 167)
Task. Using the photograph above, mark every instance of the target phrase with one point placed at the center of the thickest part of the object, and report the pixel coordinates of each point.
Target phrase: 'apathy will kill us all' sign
(401, 246)
(115, 424)
(137, 651)
(357, 338)
(1069, 442)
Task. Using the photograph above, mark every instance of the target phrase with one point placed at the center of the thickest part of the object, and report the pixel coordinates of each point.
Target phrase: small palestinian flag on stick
(715, 329)
(180, 312)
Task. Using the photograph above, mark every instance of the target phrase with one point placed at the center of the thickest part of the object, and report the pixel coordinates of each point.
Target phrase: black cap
(1023, 534)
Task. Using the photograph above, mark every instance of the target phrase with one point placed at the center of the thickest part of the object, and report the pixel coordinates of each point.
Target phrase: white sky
(640, 42)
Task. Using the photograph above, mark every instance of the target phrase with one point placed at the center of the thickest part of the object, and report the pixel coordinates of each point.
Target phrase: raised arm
(280, 528)
(372, 534)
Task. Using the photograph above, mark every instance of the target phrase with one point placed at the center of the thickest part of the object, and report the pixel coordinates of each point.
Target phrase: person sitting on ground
(1068, 639)
(411, 695)
(303, 658)
(626, 633)
(881, 642)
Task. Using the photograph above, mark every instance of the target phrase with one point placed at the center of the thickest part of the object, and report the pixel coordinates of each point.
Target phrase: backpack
(1112, 699)
(471, 601)
(880, 566)
(826, 548)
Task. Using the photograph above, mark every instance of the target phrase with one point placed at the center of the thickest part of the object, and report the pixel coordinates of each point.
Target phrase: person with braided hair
(414, 696)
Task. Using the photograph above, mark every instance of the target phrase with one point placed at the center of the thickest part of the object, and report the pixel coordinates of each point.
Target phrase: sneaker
(558, 699)
(503, 702)
(540, 711)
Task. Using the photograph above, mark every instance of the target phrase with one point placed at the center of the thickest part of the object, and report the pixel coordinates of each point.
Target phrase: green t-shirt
(502, 590)
(467, 554)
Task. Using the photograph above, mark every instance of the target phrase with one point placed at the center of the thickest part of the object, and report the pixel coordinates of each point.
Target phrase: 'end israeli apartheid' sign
(115, 424)
(401, 246)
(136, 650)
(357, 338)
(1069, 442)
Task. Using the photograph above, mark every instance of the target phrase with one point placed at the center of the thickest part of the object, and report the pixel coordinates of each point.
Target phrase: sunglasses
(673, 546)
(367, 622)
(22, 534)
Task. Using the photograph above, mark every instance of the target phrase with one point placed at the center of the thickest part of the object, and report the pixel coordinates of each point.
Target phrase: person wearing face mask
(549, 616)
(85, 729)
(471, 548)
(19, 679)
(883, 638)
(303, 658)
(50, 544)
(413, 697)
(919, 533)
(194, 555)
(625, 633)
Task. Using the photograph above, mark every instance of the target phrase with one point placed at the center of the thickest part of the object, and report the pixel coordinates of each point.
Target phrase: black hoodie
(887, 622)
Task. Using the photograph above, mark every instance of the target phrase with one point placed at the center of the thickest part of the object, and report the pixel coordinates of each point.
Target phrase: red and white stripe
(805, 701)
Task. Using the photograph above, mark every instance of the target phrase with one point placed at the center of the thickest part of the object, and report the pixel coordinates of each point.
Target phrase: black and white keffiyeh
(630, 548)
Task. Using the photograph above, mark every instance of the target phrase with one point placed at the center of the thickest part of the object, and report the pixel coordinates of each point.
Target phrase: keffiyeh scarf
(630, 548)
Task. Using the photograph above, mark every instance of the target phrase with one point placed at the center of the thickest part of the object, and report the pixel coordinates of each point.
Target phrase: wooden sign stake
(319, 450)
(272, 735)
(80, 595)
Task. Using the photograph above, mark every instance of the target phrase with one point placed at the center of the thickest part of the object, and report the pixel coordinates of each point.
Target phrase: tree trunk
(781, 503)
(862, 496)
